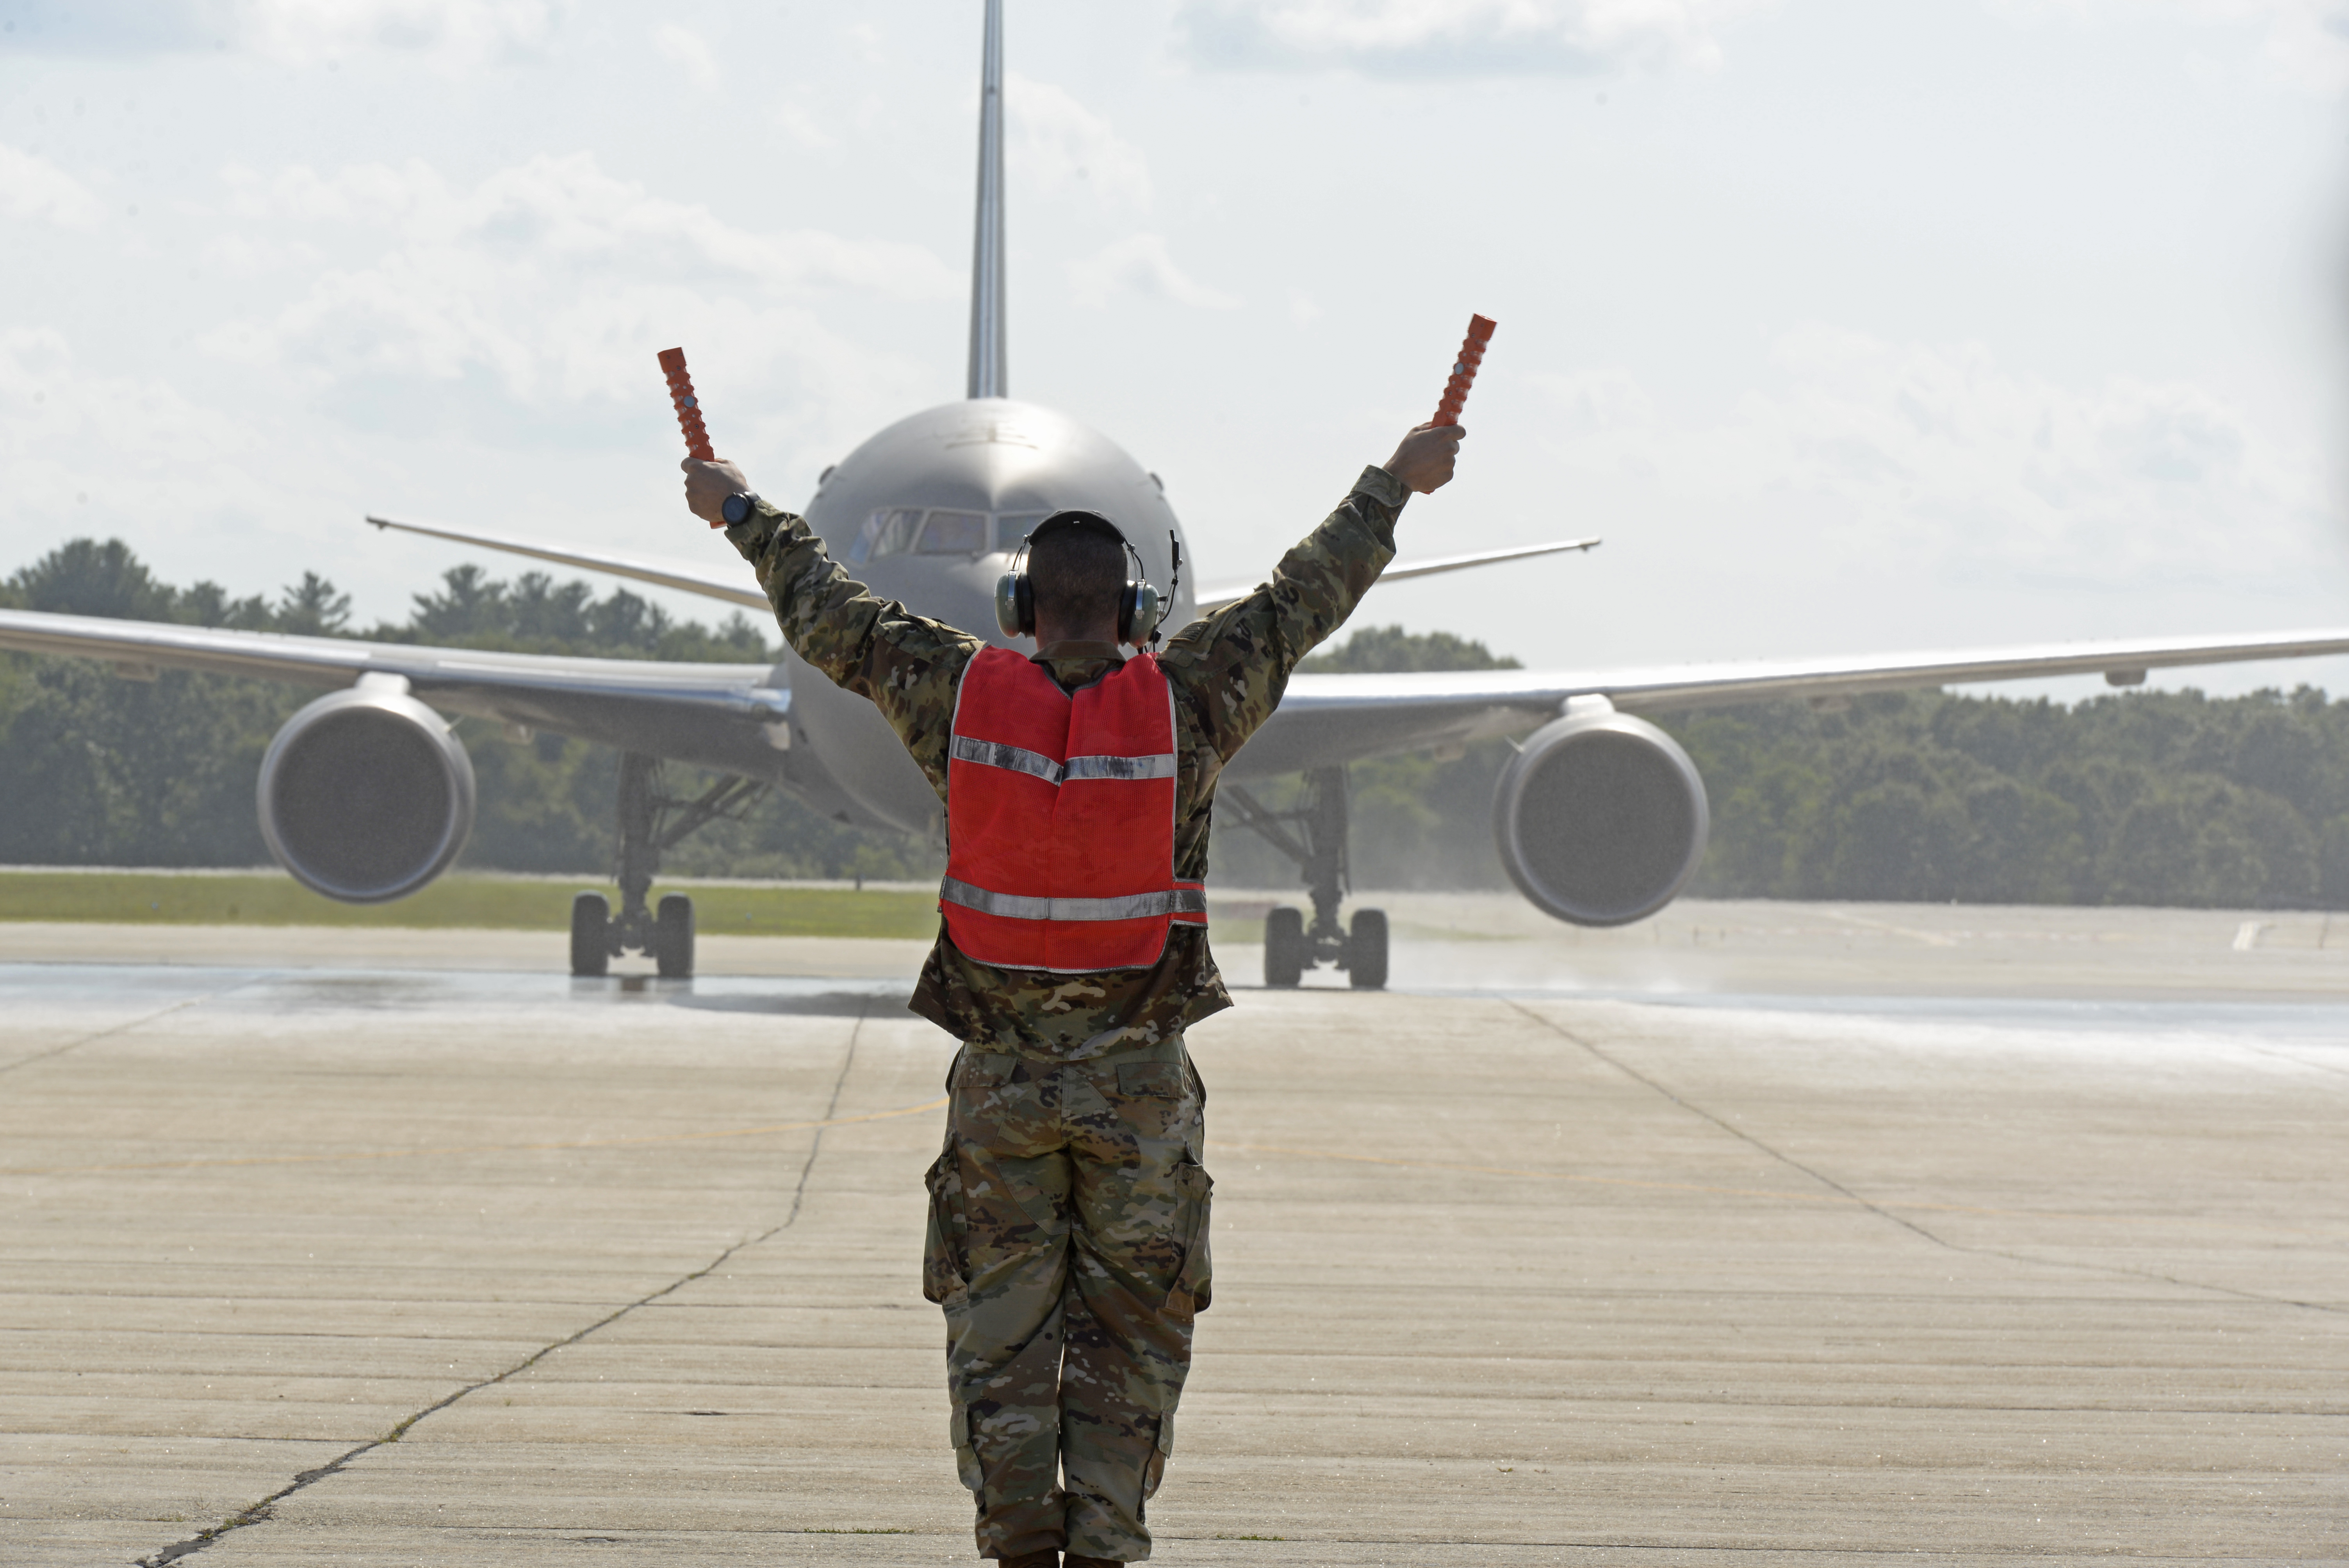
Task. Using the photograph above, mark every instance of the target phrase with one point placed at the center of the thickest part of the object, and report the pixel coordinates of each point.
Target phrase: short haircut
(1076, 568)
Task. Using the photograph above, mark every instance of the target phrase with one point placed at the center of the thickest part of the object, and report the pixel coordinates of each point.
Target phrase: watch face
(736, 507)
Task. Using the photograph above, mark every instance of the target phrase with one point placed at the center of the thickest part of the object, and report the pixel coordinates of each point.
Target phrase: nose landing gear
(652, 822)
(1318, 847)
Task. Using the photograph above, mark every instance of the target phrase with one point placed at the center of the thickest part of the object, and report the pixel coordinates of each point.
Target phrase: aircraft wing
(1326, 719)
(1214, 599)
(741, 589)
(745, 591)
(720, 716)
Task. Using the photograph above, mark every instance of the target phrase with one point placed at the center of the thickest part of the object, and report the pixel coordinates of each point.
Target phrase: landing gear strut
(1318, 847)
(652, 822)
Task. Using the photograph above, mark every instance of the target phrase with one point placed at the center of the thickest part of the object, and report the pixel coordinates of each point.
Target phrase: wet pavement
(314, 1258)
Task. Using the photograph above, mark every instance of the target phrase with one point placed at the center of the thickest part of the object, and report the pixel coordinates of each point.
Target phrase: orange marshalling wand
(689, 407)
(1464, 370)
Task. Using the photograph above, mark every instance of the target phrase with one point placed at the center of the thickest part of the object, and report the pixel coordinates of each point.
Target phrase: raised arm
(904, 664)
(1235, 664)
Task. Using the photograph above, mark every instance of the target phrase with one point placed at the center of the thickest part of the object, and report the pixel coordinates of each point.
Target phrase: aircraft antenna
(987, 348)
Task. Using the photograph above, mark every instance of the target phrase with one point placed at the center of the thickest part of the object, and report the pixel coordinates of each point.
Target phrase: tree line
(98, 770)
(2133, 798)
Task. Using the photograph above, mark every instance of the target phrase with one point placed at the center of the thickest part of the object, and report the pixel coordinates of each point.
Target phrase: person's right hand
(1425, 460)
(707, 486)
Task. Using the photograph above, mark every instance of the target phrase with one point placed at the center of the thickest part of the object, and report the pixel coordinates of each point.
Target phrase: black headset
(1140, 607)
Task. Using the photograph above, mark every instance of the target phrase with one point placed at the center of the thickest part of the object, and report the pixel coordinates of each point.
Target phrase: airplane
(1600, 817)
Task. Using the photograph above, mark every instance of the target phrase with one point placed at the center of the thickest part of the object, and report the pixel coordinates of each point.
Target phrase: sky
(1851, 327)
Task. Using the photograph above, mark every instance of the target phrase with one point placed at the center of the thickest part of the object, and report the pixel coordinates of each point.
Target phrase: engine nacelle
(364, 794)
(1601, 817)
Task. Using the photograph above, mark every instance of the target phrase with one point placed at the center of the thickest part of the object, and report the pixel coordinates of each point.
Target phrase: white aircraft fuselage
(929, 513)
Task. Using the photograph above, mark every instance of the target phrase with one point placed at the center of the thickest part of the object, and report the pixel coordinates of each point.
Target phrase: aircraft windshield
(1012, 528)
(940, 530)
(889, 531)
(955, 533)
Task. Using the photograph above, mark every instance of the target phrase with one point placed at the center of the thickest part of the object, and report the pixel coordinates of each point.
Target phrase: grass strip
(491, 902)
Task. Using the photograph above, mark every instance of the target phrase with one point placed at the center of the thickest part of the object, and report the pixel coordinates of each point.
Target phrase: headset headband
(1085, 521)
(1141, 606)
(1090, 521)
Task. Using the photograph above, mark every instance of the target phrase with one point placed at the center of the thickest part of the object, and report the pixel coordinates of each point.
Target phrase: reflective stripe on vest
(1061, 818)
(1019, 759)
(1184, 898)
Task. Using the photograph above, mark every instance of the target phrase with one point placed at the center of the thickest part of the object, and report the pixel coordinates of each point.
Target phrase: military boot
(1047, 1558)
(1074, 1562)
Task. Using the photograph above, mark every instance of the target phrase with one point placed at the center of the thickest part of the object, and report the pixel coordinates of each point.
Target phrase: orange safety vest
(1061, 818)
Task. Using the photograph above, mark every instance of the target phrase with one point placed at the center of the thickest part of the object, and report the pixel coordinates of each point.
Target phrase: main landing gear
(1318, 847)
(652, 821)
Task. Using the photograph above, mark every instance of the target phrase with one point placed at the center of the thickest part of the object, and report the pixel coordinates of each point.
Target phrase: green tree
(102, 770)
(2169, 798)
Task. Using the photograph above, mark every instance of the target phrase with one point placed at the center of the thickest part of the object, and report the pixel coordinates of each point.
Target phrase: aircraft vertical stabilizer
(987, 349)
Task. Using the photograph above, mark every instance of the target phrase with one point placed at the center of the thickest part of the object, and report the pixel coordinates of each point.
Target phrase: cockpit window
(940, 530)
(955, 533)
(1012, 528)
(889, 531)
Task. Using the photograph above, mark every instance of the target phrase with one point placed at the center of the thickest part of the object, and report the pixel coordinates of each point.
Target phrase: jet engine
(365, 795)
(1601, 817)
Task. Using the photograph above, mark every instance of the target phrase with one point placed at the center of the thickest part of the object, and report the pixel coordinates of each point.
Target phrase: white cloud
(550, 277)
(94, 449)
(296, 31)
(1059, 146)
(1140, 263)
(793, 121)
(2306, 42)
(455, 32)
(690, 52)
(1454, 37)
(1938, 457)
(34, 189)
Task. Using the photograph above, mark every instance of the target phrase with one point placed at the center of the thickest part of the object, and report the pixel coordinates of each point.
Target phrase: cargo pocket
(966, 1470)
(945, 1245)
(1195, 1282)
(1150, 1080)
(1154, 1471)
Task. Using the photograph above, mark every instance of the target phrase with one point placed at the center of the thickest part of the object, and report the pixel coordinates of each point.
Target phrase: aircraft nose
(959, 591)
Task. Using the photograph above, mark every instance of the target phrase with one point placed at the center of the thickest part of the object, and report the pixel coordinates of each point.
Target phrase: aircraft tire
(1366, 951)
(673, 937)
(591, 948)
(1284, 948)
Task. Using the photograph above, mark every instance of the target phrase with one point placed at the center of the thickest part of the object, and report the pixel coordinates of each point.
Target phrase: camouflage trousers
(1068, 1243)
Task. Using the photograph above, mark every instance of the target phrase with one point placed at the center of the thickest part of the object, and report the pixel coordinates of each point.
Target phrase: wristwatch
(738, 507)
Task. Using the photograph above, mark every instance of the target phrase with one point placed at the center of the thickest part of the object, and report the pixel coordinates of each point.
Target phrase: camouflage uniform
(1068, 1237)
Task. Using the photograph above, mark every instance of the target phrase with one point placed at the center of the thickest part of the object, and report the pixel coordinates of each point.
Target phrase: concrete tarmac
(309, 1258)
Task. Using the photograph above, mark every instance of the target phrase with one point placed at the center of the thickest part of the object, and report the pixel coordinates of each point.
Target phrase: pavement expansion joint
(122, 1028)
(1874, 1208)
(1732, 1128)
(261, 1512)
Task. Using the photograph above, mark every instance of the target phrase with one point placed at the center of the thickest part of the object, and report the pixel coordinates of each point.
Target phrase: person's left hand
(1425, 460)
(707, 486)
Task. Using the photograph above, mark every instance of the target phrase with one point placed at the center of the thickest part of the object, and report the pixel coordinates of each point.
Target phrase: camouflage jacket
(1228, 670)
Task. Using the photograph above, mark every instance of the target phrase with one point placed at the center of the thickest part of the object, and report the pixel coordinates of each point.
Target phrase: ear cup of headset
(1015, 604)
(1139, 612)
(1140, 607)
